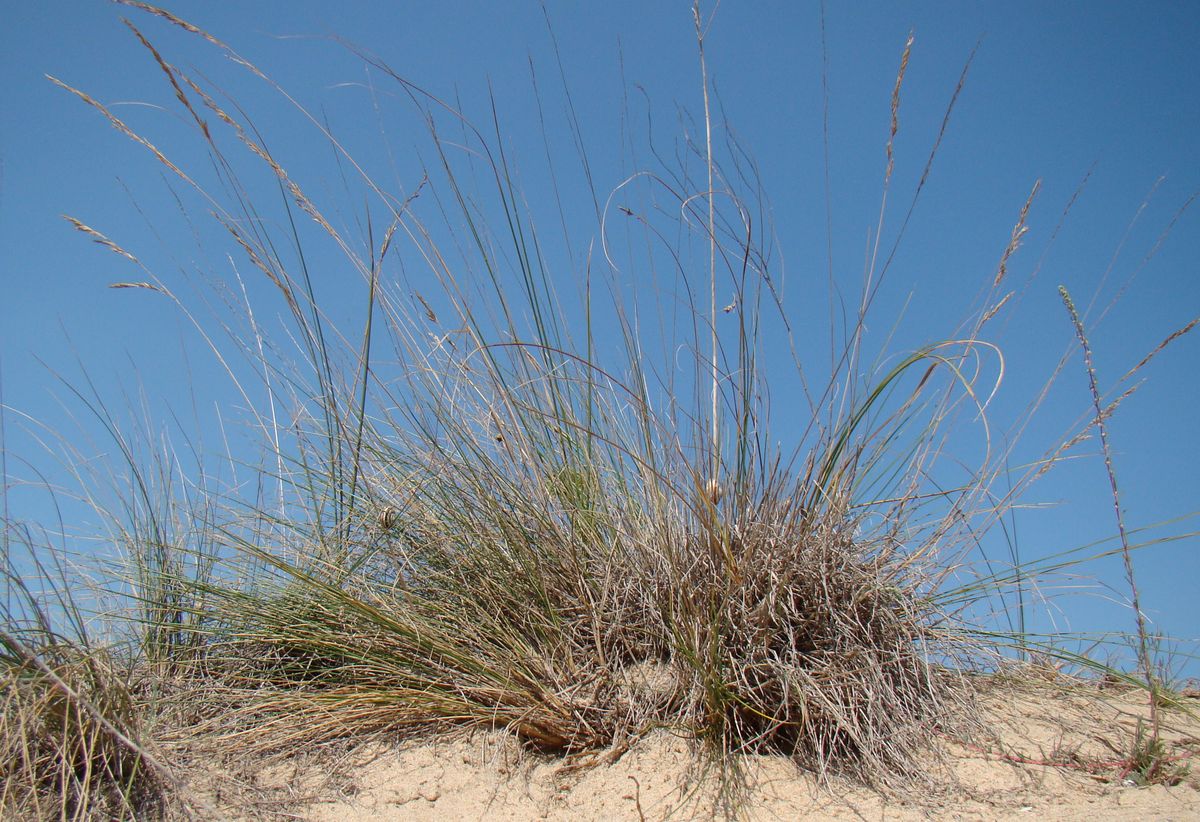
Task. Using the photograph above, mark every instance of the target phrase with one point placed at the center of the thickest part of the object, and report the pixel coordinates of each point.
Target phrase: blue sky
(1055, 90)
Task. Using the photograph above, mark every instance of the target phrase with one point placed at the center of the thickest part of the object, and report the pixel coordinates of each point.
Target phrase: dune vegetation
(565, 507)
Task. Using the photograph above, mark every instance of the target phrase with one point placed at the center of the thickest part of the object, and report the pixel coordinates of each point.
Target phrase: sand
(1051, 751)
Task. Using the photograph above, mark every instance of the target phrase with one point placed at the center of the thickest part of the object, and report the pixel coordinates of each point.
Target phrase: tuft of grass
(68, 736)
(490, 507)
(72, 725)
(520, 524)
(1150, 761)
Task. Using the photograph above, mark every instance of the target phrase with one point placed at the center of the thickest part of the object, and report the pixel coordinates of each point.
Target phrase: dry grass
(504, 523)
(69, 737)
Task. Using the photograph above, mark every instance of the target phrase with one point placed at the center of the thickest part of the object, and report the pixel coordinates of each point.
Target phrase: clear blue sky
(1055, 90)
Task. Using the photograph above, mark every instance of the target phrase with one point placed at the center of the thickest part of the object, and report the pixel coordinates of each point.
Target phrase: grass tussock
(783, 632)
(489, 506)
(69, 736)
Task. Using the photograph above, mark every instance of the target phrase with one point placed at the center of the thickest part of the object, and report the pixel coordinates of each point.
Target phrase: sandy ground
(1052, 753)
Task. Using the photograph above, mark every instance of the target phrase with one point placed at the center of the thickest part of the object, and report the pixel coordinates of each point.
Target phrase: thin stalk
(1143, 651)
(712, 247)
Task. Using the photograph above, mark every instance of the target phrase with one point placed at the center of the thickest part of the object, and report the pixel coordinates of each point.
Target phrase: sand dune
(1052, 750)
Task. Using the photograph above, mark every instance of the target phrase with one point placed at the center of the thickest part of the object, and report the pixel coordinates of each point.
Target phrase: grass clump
(517, 526)
(488, 508)
(65, 755)
(71, 728)
(1151, 762)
